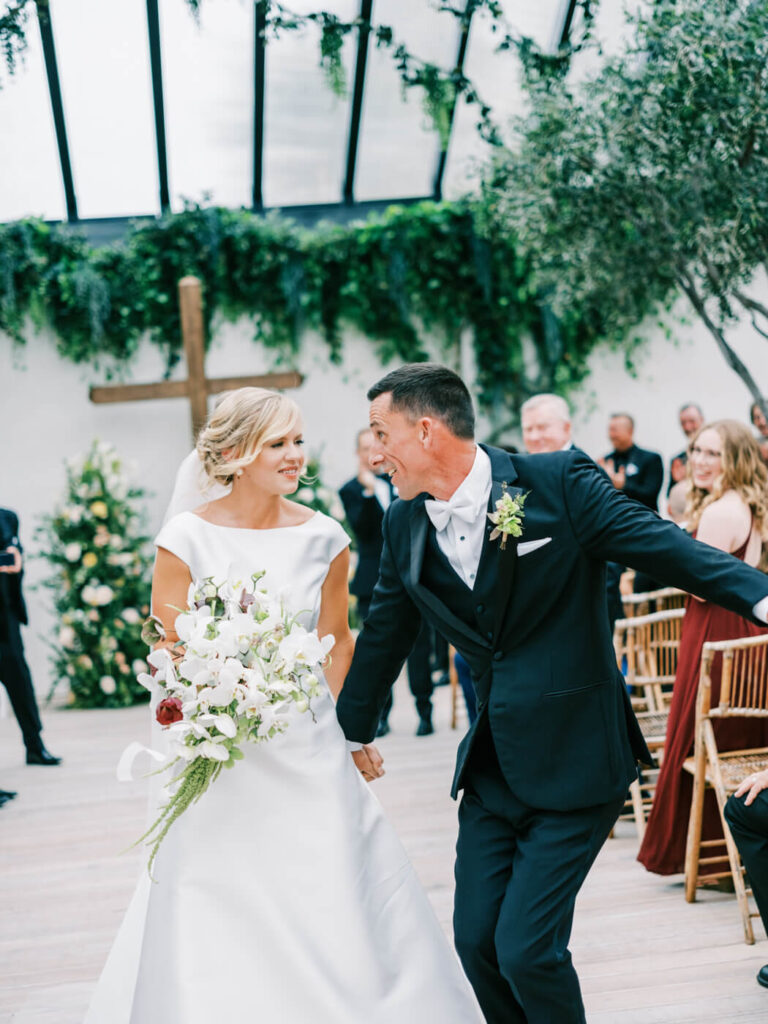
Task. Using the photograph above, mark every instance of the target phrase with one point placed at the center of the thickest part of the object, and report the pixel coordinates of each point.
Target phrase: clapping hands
(618, 476)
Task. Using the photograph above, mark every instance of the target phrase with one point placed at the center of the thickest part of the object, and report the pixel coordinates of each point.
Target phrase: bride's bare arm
(170, 584)
(334, 618)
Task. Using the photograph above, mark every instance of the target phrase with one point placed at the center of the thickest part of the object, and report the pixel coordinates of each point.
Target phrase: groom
(546, 766)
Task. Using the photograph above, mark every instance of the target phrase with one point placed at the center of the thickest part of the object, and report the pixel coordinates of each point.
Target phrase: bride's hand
(369, 762)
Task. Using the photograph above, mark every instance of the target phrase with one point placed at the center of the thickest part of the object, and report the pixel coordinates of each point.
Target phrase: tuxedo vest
(474, 607)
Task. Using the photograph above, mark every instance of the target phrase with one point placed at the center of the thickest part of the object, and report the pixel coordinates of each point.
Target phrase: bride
(283, 896)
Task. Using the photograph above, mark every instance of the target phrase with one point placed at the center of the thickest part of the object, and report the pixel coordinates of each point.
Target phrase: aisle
(644, 955)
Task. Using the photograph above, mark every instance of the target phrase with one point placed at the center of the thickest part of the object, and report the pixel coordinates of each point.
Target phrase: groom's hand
(369, 762)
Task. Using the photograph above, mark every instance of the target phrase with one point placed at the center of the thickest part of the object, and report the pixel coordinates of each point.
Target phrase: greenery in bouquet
(100, 581)
(243, 665)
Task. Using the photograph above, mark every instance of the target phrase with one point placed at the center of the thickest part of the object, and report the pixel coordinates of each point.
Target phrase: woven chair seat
(653, 724)
(736, 766)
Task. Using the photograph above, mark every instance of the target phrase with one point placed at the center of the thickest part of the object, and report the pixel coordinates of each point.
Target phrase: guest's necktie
(458, 507)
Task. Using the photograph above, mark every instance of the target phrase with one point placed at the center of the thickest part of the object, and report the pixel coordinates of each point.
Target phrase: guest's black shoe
(42, 756)
(383, 728)
(425, 727)
(762, 976)
(7, 794)
(5, 798)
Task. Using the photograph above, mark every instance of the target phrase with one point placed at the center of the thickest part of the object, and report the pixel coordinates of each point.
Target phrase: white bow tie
(441, 512)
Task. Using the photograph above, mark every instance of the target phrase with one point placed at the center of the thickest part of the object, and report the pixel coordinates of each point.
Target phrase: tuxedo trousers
(749, 828)
(15, 676)
(518, 872)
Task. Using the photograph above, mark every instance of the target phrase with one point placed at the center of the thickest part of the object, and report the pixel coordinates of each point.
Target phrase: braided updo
(241, 425)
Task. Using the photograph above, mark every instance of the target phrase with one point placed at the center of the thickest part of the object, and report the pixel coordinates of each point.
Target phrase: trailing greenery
(101, 567)
(436, 269)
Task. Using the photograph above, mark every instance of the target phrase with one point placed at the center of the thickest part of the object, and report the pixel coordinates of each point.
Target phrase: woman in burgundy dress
(727, 508)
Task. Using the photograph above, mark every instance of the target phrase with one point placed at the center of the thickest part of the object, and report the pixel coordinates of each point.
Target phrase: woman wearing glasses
(727, 508)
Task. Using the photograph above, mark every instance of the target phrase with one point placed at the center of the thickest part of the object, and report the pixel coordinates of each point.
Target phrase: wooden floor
(643, 954)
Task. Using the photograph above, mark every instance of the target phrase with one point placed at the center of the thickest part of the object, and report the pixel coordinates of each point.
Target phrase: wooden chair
(657, 600)
(743, 694)
(647, 648)
(646, 652)
(453, 681)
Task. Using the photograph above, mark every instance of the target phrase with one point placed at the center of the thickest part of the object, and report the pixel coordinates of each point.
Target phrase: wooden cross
(197, 386)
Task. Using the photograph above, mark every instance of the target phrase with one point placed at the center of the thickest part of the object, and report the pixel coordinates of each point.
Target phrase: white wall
(47, 417)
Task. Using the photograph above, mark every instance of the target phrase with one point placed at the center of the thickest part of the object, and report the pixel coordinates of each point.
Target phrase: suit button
(480, 609)
(498, 655)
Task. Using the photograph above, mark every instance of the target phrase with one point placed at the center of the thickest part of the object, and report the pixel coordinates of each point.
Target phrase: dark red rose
(169, 711)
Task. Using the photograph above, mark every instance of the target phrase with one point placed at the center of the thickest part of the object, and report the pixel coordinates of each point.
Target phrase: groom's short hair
(429, 389)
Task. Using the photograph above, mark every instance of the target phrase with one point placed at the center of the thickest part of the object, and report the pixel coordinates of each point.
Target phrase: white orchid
(246, 667)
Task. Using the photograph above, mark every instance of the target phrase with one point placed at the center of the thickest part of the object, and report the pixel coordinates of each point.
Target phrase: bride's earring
(239, 472)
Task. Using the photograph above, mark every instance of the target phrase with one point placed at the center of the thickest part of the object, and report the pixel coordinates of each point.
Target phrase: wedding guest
(14, 673)
(747, 815)
(727, 509)
(758, 420)
(638, 473)
(635, 471)
(366, 497)
(546, 423)
(691, 420)
(464, 673)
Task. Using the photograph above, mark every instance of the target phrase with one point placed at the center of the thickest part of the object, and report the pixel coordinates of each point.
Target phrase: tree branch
(688, 286)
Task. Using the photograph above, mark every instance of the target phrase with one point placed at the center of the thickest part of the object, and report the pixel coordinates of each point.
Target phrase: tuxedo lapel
(419, 525)
(497, 564)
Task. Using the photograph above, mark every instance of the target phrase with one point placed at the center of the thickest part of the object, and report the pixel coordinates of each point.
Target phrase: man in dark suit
(638, 473)
(14, 673)
(691, 421)
(546, 766)
(747, 816)
(365, 498)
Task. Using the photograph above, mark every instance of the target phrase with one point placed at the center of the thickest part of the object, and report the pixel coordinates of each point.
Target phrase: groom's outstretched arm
(615, 529)
(385, 641)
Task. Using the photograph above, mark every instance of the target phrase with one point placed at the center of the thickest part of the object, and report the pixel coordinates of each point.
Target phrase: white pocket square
(527, 546)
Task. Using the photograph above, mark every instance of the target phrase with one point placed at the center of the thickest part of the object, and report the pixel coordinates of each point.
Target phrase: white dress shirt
(462, 542)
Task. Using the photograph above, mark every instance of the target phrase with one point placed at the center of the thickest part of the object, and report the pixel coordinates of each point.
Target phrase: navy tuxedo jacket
(543, 663)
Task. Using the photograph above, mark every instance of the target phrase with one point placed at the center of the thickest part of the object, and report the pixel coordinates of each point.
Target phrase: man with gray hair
(546, 422)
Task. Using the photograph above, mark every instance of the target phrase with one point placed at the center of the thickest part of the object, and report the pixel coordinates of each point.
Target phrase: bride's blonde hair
(743, 471)
(240, 426)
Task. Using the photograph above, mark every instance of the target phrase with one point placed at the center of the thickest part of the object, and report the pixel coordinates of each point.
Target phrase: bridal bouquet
(241, 665)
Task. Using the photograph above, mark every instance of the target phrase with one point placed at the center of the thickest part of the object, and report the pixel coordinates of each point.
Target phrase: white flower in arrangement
(131, 616)
(304, 494)
(138, 665)
(104, 594)
(243, 669)
(73, 551)
(107, 685)
(67, 637)
(336, 508)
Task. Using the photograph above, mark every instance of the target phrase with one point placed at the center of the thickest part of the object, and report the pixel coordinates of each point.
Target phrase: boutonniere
(508, 517)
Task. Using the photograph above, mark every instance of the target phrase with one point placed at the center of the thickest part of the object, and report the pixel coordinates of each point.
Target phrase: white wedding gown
(283, 896)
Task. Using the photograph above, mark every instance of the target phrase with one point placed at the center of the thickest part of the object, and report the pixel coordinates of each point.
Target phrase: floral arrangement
(242, 665)
(101, 583)
(508, 516)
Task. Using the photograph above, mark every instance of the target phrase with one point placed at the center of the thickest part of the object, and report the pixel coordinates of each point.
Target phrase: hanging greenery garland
(432, 269)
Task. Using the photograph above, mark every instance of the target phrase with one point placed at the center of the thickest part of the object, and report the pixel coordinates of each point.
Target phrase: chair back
(647, 648)
(653, 601)
(743, 667)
